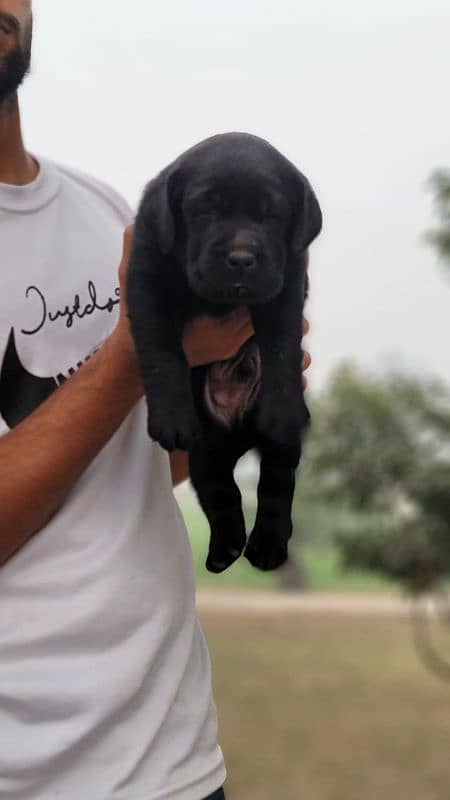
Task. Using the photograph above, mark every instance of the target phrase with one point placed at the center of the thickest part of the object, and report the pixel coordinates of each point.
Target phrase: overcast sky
(355, 93)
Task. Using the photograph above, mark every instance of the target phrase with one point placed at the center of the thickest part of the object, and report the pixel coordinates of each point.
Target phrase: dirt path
(249, 602)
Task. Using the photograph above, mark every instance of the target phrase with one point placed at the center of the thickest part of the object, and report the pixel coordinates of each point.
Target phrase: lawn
(327, 708)
(321, 561)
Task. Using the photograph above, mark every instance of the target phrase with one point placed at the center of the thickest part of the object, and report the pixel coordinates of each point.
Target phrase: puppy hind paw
(221, 556)
(217, 564)
(266, 555)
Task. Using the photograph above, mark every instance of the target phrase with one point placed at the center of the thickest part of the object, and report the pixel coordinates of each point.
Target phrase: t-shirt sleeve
(103, 190)
(117, 201)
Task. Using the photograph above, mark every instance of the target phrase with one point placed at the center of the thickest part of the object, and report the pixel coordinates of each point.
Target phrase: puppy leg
(157, 330)
(212, 477)
(267, 546)
(281, 411)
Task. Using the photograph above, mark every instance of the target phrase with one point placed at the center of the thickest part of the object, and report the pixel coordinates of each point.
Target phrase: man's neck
(16, 166)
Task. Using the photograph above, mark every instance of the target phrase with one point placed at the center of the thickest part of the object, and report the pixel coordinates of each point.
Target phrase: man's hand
(307, 360)
(207, 339)
(122, 336)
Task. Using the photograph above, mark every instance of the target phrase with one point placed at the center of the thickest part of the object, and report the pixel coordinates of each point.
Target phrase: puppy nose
(241, 259)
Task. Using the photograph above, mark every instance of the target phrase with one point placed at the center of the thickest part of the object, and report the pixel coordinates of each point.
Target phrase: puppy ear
(158, 213)
(308, 222)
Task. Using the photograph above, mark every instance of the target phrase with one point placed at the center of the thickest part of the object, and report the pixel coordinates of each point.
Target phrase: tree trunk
(292, 576)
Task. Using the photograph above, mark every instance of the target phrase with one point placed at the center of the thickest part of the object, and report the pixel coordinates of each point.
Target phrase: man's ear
(308, 217)
(158, 213)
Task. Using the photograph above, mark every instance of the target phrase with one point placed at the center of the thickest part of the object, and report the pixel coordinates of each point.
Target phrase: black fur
(227, 224)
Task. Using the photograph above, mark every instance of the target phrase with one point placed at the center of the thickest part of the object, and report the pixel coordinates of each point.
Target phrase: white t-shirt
(105, 684)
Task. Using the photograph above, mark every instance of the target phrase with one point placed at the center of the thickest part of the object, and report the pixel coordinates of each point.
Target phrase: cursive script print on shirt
(73, 311)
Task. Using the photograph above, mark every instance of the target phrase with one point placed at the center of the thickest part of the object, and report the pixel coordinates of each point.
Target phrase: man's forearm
(44, 456)
(179, 465)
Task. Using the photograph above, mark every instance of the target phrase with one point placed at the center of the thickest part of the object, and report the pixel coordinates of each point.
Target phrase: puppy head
(237, 216)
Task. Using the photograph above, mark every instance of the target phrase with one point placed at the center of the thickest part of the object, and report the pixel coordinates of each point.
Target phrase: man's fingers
(246, 330)
(240, 323)
(306, 363)
(127, 243)
(307, 360)
(239, 316)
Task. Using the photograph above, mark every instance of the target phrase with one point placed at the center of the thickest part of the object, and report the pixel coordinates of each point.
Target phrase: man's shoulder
(78, 180)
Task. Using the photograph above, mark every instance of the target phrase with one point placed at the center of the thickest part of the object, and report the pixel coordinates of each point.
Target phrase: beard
(14, 66)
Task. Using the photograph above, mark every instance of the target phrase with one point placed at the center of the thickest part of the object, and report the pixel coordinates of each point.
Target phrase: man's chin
(6, 95)
(14, 67)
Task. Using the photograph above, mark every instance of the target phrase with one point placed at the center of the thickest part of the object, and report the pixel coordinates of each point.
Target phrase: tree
(383, 446)
(440, 236)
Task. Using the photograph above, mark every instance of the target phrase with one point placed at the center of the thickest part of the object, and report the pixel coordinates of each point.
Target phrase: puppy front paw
(174, 428)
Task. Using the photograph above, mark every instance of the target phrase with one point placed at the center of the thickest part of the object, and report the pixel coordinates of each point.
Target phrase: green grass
(241, 573)
(326, 571)
(327, 708)
(321, 560)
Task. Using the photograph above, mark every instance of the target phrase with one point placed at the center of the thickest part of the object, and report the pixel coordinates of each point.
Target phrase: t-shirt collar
(34, 195)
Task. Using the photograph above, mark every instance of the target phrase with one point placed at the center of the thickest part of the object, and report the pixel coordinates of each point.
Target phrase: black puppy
(227, 224)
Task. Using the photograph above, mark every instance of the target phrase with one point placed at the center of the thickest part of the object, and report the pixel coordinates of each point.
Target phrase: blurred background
(325, 687)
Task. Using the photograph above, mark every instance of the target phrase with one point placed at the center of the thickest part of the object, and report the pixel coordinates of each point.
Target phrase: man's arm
(44, 456)
(194, 336)
(41, 459)
(207, 339)
(179, 466)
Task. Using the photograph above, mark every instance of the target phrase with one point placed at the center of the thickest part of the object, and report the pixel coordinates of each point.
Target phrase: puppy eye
(205, 206)
(272, 206)
(207, 211)
(271, 213)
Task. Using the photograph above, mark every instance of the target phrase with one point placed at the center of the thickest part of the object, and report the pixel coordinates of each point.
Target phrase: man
(105, 686)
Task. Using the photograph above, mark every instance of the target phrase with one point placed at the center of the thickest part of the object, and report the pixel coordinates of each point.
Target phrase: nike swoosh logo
(20, 391)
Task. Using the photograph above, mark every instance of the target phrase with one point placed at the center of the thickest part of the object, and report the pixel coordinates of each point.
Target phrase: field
(322, 706)
(327, 708)
(321, 561)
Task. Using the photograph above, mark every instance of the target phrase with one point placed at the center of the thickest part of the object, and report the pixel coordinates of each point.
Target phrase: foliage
(440, 236)
(383, 447)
